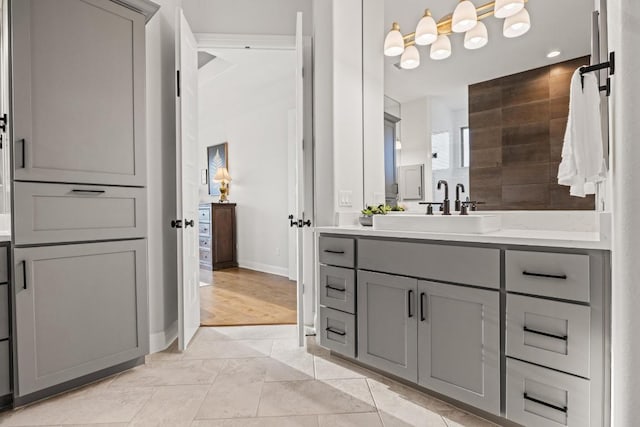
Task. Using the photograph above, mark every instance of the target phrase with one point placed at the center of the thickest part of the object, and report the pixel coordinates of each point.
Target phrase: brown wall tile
(531, 133)
(485, 138)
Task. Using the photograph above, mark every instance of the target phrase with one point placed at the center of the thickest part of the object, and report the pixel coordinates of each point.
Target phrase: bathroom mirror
(491, 119)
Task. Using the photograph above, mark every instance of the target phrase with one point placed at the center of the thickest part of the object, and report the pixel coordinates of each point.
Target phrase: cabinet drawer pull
(423, 317)
(543, 403)
(548, 276)
(409, 298)
(335, 331)
(546, 334)
(24, 274)
(335, 289)
(330, 251)
(88, 191)
(24, 159)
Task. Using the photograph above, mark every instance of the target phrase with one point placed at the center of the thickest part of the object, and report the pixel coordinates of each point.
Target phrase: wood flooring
(238, 296)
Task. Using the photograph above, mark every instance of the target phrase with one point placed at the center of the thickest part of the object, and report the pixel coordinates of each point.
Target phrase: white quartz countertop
(546, 238)
(5, 236)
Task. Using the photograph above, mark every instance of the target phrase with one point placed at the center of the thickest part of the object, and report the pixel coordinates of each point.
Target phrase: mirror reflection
(485, 108)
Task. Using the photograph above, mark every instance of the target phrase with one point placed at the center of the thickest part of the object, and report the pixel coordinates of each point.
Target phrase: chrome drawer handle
(88, 191)
(546, 334)
(335, 289)
(335, 331)
(543, 403)
(330, 251)
(548, 276)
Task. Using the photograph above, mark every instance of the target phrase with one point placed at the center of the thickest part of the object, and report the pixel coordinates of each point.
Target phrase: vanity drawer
(563, 276)
(4, 261)
(5, 368)
(338, 331)
(339, 251)
(456, 264)
(538, 396)
(549, 333)
(338, 288)
(204, 229)
(204, 215)
(71, 213)
(4, 311)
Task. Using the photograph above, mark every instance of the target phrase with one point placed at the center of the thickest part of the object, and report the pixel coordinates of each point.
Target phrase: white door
(187, 181)
(299, 204)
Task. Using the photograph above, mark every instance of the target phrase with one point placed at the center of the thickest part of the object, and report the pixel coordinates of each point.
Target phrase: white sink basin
(466, 224)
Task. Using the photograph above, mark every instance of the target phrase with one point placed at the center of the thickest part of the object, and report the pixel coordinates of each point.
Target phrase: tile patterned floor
(244, 377)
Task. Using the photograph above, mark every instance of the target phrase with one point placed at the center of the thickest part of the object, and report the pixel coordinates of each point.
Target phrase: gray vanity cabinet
(78, 92)
(387, 323)
(459, 343)
(79, 309)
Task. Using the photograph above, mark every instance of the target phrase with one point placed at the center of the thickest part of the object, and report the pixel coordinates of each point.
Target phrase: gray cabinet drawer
(4, 260)
(338, 251)
(204, 215)
(549, 333)
(204, 229)
(538, 396)
(53, 213)
(338, 288)
(205, 242)
(456, 264)
(5, 368)
(338, 331)
(4, 311)
(563, 276)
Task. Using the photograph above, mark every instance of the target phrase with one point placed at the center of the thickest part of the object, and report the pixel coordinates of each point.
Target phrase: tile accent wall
(517, 126)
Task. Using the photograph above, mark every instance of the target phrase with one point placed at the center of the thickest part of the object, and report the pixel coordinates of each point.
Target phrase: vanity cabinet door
(459, 343)
(387, 323)
(79, 309)
(78, 92)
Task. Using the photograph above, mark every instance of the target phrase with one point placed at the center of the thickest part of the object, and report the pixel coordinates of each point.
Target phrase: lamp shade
(427, 30)
(441, 48)
(222, 175)
(507, 8)
(464, 17)
(394, 42)
(410, 59)
(476, 37)
(517, 25)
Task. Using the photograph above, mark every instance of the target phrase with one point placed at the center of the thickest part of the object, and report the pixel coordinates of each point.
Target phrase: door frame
(281, 42)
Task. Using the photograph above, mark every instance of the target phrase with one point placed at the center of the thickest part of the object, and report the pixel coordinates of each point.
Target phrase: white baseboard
(265, 268)
(161, 340)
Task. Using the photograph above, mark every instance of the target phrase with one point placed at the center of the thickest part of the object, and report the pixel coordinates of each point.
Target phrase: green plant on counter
(381, 210)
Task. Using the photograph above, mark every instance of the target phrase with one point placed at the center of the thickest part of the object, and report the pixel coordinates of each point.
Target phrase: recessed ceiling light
(553, 54)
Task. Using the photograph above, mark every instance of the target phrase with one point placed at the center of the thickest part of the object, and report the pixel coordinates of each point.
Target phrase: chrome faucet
(446, 204)
(459, 188)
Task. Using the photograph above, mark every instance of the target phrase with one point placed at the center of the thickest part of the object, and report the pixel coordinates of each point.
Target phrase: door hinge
(178, 82)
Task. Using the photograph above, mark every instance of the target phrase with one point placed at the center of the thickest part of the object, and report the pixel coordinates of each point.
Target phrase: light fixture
(410, 59)
(517, 25)
(394, 42)
(507, 8)
(427, 30)
(464, 17)
(553, 54)
(476, 37)
(222, 176)
(441, 48)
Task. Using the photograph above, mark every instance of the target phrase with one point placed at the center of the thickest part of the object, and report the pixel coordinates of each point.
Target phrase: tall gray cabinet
(79, 196)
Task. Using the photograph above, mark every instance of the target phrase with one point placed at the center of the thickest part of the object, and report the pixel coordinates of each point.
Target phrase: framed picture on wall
(217, 157)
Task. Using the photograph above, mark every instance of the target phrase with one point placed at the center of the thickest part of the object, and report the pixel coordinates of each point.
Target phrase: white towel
(583, 162)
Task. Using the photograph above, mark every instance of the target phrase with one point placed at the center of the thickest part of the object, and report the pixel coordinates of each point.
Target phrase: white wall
(248, 107)
(415, 132)
(624, 39)
(272, 17)
(161, 175)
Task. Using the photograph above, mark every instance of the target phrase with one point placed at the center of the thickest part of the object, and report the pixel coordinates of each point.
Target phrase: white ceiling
(555, 24)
